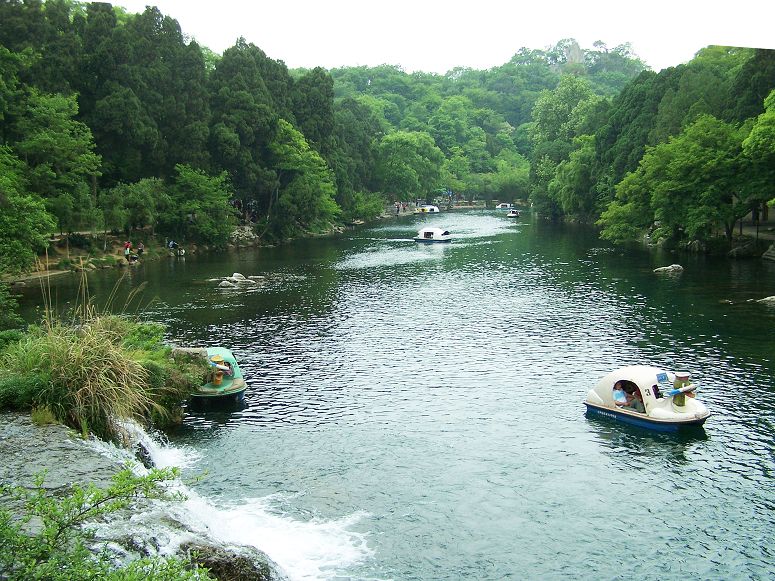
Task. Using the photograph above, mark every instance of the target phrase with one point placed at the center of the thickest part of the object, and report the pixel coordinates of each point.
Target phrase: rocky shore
(27, 449)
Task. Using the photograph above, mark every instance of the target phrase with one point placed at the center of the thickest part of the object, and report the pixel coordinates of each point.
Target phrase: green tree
(197, 208)
(759, 147)
(409, 165)
(244, 123)
(24, 222)
(59, 152)
(689, 186)
(305, 192)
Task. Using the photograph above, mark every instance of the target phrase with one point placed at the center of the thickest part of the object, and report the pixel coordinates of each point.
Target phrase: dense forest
(112, 121)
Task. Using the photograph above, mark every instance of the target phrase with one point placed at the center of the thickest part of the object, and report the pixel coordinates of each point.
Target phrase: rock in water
(671, 268)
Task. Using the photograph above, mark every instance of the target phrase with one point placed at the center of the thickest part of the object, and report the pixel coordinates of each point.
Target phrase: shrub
(19, 391)
(56, 548)
(145, 336)
(9, 336)
(9, 316)
(91, 378)
(42, 416)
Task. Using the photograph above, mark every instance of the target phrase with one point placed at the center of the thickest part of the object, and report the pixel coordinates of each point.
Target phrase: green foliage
(306, 192)
(198, 208)
(19, 388)
(52, 538)
(24, 222)
(104, 368)
(364, 206)
(42, 416)
(145, 336)
(58, 151)
(688, 186)
(759, 148)
(409, 165)
(9, 316)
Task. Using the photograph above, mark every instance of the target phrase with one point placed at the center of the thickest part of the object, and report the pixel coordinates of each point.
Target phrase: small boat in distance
(224, 383)
(503, 206)
(433, 235)
(513, 213)
(426, 209)
(648, 397)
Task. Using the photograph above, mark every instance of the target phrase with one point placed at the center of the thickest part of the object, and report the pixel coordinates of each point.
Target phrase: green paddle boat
(225, 383)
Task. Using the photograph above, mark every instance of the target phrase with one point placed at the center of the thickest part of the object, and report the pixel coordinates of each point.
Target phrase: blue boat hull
(217, 402)
(641, 421)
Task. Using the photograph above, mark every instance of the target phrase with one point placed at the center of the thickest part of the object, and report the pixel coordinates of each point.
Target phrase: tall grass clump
(95, 368)
(90, 379)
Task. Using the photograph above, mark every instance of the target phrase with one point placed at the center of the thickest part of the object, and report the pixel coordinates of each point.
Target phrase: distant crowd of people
(133, 254)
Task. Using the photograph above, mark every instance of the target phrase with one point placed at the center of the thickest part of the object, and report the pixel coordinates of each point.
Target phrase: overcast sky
(438, 35)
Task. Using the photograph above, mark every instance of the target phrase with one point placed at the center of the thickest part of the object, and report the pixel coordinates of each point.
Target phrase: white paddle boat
(649, 397)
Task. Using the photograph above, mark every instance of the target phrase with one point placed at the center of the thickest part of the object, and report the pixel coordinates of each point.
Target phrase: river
(415, 411)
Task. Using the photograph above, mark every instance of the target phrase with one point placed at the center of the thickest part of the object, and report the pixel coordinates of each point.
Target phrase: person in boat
(220, 367)
(635, 401)
(620, 396)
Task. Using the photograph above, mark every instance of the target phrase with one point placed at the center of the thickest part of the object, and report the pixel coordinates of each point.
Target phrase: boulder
(227, 284)
(748, 250)
(767, 300)
(671, 268)
(233, 564)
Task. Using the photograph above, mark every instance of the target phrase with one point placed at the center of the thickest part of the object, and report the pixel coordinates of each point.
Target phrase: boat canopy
(651, 381)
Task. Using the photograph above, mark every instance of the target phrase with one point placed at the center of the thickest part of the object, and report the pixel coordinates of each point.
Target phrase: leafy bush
(145, 336)
(19, 390)
(9, 316)
(57, 546)
(81, 241)
(9, 336)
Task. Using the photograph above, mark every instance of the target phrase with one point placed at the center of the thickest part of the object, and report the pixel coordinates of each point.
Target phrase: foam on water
(305, 550)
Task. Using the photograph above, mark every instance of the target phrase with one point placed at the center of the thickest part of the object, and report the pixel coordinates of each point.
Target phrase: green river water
(415, 412)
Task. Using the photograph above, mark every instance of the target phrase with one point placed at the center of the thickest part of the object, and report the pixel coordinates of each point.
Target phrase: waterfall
(299, 550)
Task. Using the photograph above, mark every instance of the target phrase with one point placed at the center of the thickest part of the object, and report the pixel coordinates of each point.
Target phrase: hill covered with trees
(112, 121)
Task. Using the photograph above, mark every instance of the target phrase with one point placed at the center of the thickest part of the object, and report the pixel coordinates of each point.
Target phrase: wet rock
(243, 236)
(767, 300)
(233, 564)
(749, 250)
(27, 449)
(227, 284)
(669, 269)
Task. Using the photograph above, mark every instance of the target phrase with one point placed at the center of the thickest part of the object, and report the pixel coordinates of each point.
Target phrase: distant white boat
(513, 213)
(433, 235)
(503, 206)
(426, 209)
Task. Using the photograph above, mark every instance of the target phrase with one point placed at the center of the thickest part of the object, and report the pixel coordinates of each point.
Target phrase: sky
(436, 36)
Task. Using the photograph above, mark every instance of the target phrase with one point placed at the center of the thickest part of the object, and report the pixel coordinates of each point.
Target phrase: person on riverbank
(128, 251)
(140, 249)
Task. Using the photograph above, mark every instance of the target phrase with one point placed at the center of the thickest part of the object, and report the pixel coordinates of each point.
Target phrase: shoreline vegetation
(92, 373)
